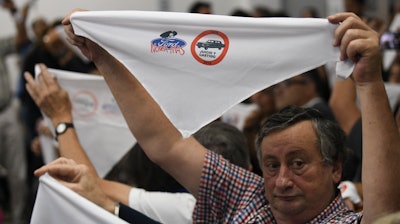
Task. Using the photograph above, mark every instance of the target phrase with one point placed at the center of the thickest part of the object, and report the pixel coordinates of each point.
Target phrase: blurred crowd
(21, 120)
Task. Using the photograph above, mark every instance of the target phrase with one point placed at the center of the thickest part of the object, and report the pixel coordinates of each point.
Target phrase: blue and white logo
(168, 43)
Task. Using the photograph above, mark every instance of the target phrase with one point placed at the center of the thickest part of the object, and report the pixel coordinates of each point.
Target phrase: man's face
(265, 100)
(394, 75)
(39, 28)
(205, 10)
(354, 6)
(291, 92)
(297, 183)
(54, 44)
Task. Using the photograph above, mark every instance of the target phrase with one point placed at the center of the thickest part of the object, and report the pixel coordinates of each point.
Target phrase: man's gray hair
(331, 139)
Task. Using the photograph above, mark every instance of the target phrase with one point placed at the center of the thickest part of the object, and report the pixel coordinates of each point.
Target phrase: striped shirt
(230, 194)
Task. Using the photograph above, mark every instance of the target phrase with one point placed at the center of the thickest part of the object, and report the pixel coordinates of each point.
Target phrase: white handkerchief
(56, 203)
(100, 126)
(198, 66)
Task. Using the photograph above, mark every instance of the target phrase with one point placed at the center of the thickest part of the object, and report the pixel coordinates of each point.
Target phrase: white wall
(54, 9)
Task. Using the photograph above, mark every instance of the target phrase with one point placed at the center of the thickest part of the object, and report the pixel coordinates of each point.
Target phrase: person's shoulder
(337, 212)
(350, 217)
(216, 163)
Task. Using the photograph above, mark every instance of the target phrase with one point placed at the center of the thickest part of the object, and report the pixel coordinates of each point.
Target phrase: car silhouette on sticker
(211, 44)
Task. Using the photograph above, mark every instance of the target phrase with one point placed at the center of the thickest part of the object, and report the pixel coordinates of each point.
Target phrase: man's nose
(284, 178)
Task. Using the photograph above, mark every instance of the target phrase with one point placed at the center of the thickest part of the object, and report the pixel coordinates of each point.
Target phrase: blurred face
(40, 28)
(394, 75)
(54, 44)
(354, 6)
(265, 101)
(205, 10)
(309, 13)
(291, 92)
(298, 185)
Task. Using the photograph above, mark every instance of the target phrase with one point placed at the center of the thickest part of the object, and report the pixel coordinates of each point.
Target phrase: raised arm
(19, 17)
(161, 141)
(343, 104)
(54, 102)
(381, 140)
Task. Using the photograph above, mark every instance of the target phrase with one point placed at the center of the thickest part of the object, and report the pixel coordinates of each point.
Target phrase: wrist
(100, 56)
(111, 206)
(64, 119)
(371, 89)
(116, 208)
(62, 128)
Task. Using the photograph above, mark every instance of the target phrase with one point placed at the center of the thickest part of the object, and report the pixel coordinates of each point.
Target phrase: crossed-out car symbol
(211, 44)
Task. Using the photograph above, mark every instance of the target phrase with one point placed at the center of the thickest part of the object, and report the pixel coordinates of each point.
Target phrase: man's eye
(298, 164)
(272, 166)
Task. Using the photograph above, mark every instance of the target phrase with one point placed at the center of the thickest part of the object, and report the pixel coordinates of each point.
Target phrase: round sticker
(210, 47)
(84, 103)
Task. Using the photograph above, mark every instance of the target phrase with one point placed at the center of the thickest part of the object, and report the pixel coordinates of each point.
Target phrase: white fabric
(193, 90)
(167, 208)
(393, 92)
(56, 203)
(100, 126)
(49, 148)
(236, 116)
(349, 190)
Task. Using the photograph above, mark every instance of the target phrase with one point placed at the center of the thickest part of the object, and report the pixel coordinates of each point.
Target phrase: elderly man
(300, 169)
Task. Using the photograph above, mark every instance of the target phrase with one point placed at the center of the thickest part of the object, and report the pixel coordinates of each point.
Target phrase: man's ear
(337, 172)
(250, 168)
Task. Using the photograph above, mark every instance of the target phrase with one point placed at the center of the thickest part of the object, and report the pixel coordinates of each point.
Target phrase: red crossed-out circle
(89, 96)
(224, 51)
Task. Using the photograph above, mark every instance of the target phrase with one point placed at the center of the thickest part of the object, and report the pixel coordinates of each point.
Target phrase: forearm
(115, 191)
(343, 104)
(21, 37)
(381, 150)
(70, 147)
(19, 17)
(145, 118)
(159, 138)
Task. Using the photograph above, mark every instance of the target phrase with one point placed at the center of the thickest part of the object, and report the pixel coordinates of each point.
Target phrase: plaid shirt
(230, 194)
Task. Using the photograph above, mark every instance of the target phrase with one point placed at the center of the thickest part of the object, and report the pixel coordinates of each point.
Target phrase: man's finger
(55, 165)
(48, 78)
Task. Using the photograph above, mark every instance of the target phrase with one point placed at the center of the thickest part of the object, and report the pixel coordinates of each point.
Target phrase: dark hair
(313, 11)
(225, 140)
(262, 11)
(240, 12)
(197, 5)
(330, 137)
(136, 169)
